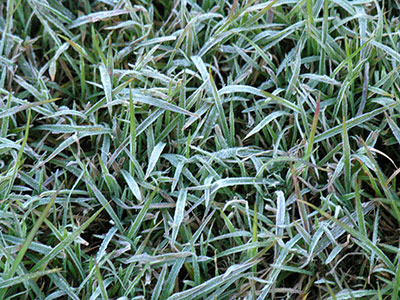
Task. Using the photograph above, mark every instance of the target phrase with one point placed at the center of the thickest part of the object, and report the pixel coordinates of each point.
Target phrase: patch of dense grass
(199, 149)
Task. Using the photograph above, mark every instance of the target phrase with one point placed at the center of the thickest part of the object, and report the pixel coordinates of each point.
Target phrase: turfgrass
(199, 149)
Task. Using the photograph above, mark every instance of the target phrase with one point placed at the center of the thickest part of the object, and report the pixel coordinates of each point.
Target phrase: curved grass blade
(179, 213)
(155, 155)
(133, 186)
(5, 283)
(352, 123)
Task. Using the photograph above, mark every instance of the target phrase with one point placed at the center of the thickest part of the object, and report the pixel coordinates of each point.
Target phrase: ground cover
(199, 149)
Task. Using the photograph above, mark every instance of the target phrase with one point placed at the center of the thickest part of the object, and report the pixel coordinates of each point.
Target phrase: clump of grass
(199, 150)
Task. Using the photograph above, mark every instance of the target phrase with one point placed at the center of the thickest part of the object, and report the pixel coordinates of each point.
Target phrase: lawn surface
(199, 149)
